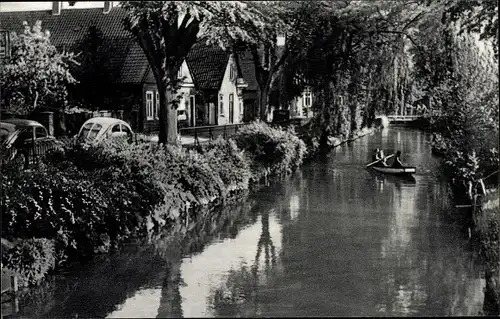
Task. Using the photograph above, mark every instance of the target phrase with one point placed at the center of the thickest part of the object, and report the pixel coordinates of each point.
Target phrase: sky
(47, 5)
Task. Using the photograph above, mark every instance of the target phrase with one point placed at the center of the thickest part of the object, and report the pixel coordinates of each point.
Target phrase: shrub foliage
(86, 199)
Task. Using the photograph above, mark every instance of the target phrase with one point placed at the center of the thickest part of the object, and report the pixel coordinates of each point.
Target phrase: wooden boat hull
(395, 171)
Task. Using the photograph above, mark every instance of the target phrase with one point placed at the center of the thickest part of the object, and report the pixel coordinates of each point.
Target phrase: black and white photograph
(204, 159)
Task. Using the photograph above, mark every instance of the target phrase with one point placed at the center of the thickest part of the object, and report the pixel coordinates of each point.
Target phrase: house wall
(149, 124)
(186, 110)
(228, 88)
(301, 105)
(197, 108)
(186, 91)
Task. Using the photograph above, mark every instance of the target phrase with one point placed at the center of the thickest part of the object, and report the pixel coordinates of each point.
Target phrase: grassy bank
(79, 202)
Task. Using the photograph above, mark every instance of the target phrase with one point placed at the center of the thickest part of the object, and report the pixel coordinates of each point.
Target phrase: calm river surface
(332, 240)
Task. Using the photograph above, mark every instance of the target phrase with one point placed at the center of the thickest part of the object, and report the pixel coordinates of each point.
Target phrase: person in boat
(397, 160)
(383, 161)
(375, 155)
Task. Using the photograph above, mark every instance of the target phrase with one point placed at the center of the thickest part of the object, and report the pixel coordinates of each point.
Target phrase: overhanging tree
(36, 75)
(290, 20)
(473, 16)
(166, 31)
(357, 52)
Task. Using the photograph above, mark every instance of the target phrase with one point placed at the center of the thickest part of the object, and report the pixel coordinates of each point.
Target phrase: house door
(231, 108)
(192, 109)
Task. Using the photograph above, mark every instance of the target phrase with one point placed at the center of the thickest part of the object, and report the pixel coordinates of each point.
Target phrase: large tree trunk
(167, 114)
(263, 95)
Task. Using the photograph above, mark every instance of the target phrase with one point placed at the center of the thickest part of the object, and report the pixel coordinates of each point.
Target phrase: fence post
(196, 142)
(13, 283)
(210, 133)
(225, 134)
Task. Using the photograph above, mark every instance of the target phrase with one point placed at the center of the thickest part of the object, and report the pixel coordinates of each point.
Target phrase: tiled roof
(248, 70)
(71, 25)
(135, 66)
(127, 62)
(207, 65)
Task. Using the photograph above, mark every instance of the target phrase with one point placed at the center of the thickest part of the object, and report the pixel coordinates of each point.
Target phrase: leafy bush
(85, 199)
(278, 150)
(489, 230)
(230, 162)
(32, 259)
(55, 204)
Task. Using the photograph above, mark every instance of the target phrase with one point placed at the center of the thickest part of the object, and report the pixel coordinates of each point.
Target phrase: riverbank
(91, 200)
(329, 219)
(471, 165)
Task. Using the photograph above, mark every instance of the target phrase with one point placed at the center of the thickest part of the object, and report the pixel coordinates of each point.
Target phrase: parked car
(21, 138)
(97, 129)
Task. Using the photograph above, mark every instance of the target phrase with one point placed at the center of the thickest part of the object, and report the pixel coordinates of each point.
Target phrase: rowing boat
(407, 170)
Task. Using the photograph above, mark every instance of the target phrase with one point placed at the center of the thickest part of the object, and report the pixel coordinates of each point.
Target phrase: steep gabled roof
(127, 61)
(207, 65)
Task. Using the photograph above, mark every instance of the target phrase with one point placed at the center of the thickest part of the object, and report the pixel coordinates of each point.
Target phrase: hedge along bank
(79, 202)
(467, 162)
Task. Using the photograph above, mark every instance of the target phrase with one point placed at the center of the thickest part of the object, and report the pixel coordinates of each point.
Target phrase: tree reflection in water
(238, 295)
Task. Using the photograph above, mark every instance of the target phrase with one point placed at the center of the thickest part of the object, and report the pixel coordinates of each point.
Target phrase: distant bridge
(406, 118)
(403, 118)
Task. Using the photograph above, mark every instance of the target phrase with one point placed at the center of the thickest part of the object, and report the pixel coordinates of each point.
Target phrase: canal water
(335, 239)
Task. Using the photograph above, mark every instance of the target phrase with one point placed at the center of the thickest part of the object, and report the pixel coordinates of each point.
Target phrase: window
(115, 128)
(179, 73)
(241, 108)
(231, 72)
(25, 136)
(94, 131)
(3, 135)
(221, 104)
(126, 130)
(307, 99)
(339, 99)
(149, 105)
(157, 104)
(40, 132)
(231, 108)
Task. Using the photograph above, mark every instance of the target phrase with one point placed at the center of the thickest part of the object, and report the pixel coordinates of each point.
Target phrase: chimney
(107, 6)
(56, 8)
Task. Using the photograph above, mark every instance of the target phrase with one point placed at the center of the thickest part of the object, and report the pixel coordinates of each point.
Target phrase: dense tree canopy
(166, 31)
(36, 75)
(93, 74)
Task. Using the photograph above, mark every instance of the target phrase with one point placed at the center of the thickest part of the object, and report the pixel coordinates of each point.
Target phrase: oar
(368, 165)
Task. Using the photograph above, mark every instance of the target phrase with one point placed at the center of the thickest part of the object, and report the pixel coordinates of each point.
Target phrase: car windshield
(90, 130)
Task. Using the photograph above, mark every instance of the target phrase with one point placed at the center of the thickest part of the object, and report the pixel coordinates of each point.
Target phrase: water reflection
(333, 240)
(217, 285)
(144, 304)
